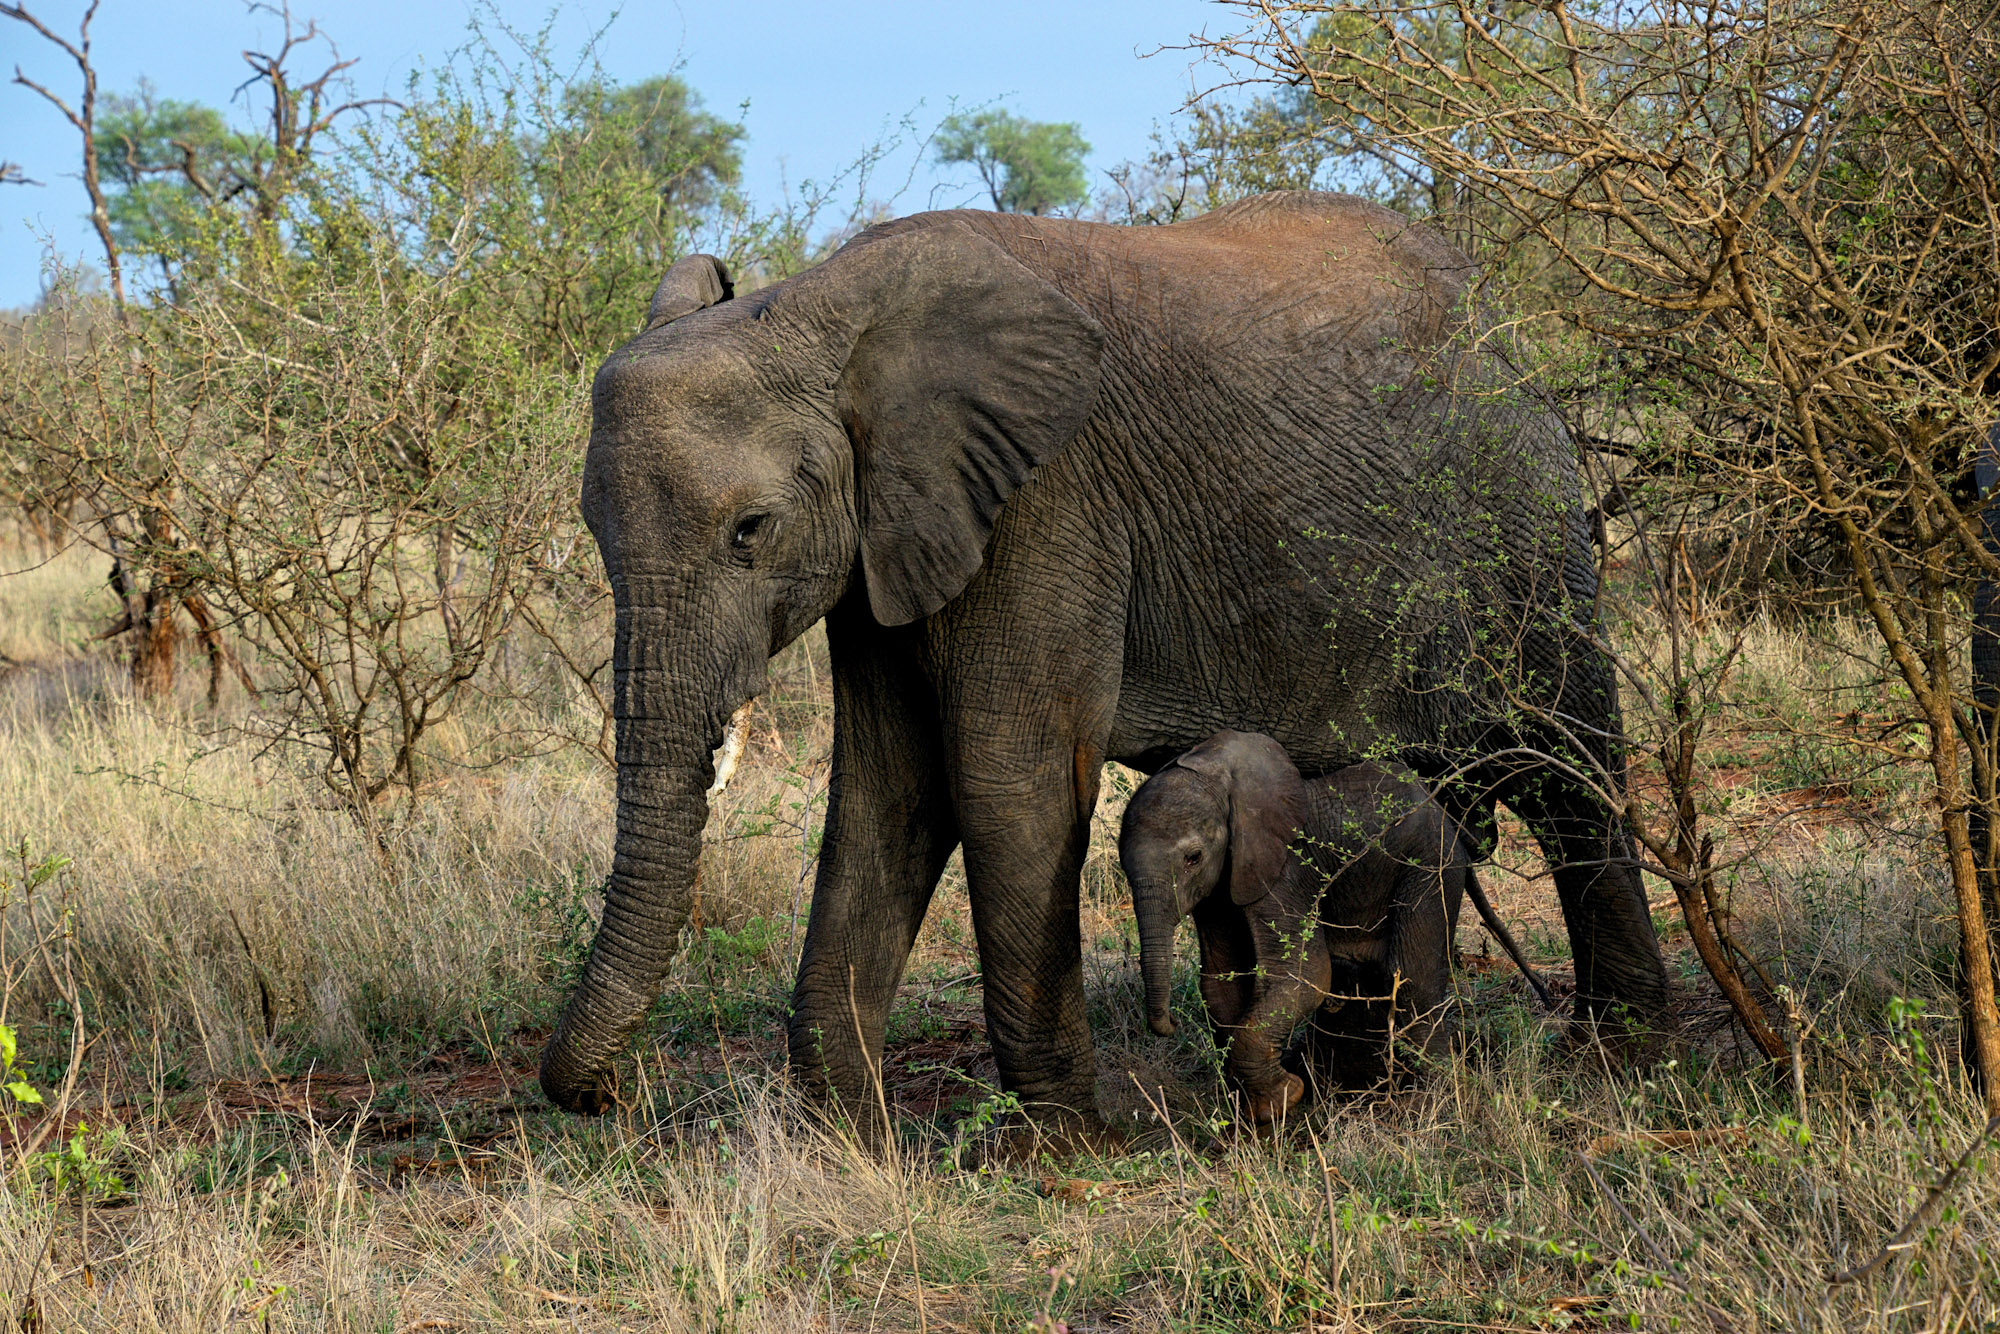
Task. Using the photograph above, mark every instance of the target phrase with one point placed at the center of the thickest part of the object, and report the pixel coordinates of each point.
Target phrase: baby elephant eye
(746, 532)
(1192, 858)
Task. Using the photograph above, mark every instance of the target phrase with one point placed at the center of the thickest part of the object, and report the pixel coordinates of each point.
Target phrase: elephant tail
(1504, 936)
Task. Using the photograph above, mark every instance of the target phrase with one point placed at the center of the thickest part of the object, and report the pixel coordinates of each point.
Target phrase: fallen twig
(550, 1295)
(1076, 1190)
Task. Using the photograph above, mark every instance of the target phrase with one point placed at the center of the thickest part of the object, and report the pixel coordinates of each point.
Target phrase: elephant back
(1364, 817)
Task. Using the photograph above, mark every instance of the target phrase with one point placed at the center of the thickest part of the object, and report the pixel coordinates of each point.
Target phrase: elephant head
(751, 460)
(1225, 810)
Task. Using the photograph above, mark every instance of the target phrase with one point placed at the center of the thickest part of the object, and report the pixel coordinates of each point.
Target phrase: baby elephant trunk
(1155, 909)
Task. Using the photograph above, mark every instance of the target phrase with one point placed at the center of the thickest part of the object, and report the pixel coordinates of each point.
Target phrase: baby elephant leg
(1293, 985)
(1401, 1002)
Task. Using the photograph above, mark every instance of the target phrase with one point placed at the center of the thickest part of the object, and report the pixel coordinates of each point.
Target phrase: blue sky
(823, 80)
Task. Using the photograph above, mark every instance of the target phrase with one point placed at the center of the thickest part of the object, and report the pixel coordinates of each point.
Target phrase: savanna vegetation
(305, 724)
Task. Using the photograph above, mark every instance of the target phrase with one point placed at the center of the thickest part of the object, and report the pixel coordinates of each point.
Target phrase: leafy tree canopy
(1029, 166)
(163, 160)
(693, 154)
(170, 166)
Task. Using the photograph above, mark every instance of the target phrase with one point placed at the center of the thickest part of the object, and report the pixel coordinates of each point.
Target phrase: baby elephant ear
(1266, 809)
(1262, 828)
(694, 283)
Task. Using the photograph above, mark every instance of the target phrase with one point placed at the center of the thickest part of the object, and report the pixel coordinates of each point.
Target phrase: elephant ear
(1267, 807)
(692, 284)
(966, 373)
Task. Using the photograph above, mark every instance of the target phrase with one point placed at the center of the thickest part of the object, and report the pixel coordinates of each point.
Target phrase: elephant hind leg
(1611, 936)
(1343, 1047)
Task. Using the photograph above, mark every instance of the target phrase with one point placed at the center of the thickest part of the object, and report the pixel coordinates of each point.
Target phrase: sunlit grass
(310, 1101)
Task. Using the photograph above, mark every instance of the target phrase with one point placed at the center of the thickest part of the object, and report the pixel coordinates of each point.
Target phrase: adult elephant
(1064, 493)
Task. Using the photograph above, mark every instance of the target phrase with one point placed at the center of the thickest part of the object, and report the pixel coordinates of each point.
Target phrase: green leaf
(23, 1091)
(42, 874)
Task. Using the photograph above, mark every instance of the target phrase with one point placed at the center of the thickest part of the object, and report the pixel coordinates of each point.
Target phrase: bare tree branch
(84, 118)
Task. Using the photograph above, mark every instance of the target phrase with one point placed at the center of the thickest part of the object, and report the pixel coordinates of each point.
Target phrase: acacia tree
(1292, 139)
(1783, 219)
(262, 172)
(361, 417)
(508, 221)
(1028, 166)
(165, 163)
(147, 613)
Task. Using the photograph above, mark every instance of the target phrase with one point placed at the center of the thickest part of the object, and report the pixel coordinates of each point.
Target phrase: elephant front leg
(1025, 842)
(889, 832)
(1295, 981)
(1228, 978)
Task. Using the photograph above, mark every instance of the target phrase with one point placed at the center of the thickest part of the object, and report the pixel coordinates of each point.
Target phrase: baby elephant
(1365, 907)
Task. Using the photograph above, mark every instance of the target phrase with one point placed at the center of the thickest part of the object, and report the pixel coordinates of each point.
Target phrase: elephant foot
(594, 1096)
(1270, 1104)
(1623, 1038)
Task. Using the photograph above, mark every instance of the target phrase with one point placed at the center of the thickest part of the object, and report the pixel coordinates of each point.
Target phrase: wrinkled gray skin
(1047, 482)
(1302, 890)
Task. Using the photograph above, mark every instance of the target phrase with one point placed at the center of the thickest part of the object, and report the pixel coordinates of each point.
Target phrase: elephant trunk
(1157, 915)
(665, 743)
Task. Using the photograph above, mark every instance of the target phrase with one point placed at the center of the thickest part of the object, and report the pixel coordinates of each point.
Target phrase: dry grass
(52, 601)
(310, 1095)
(1470, 1205)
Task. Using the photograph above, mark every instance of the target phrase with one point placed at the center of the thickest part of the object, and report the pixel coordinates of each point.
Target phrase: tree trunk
(1983, 832)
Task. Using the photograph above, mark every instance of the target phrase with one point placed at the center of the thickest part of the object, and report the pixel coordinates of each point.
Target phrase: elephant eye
(746, 532)
(1192, 858)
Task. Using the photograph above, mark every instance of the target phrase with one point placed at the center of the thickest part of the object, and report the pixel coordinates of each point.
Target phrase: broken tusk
(732, 749)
